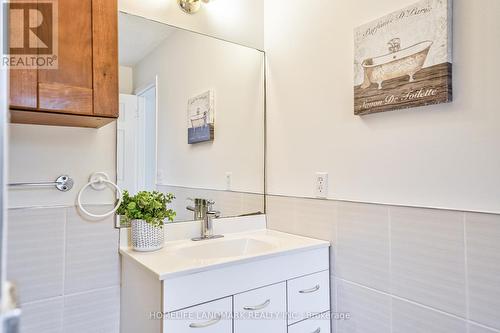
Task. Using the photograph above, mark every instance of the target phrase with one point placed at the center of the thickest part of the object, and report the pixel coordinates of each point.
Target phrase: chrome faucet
(203, 210)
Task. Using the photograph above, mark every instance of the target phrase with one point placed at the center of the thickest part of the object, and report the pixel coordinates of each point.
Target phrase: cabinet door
(212, 317)
(69, 89)
(261, 310)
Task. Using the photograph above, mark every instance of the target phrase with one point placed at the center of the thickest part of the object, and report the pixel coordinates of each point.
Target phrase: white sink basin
(183, 257)
(225, 248)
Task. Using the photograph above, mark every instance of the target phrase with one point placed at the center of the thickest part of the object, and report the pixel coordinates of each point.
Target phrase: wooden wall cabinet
(83, 91)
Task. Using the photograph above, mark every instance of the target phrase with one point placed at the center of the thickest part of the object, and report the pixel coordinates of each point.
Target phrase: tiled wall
(66, 268)
(403, 270)
(229, 203)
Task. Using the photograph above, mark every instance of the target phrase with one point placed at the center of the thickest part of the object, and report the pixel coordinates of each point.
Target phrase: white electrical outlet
(229, 181)
(321, 185)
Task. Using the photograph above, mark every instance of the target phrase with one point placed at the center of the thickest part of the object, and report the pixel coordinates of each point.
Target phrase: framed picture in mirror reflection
(201, 126)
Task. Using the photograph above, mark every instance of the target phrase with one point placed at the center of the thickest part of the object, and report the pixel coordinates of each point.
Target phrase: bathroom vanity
(252, 280)
(247, 282)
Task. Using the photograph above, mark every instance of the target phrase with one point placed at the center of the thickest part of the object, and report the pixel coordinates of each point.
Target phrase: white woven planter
(145, 237)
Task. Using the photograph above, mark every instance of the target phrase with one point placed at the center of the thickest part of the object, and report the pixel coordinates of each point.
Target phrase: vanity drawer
(261, 310)
(212, 317)
(308, 296)
(313, 325)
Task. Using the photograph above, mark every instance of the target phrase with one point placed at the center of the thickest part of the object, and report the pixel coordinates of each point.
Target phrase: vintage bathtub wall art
(201, 118)
(404, 59)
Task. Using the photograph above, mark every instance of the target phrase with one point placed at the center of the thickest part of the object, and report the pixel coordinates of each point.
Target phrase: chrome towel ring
(98, 182)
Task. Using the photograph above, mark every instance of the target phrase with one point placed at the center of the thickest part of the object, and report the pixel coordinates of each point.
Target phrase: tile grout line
(38, 301)
(66, 213)
(385, 204)
(62, 206)
(419, 305)
(494, 330)
(71, 295)
(404, 299)
(466, 271)
(389, 217)
(337, 221)
(65, 244)
(335, 322)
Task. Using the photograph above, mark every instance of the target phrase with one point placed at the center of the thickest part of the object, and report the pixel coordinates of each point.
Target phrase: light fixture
(191, 6)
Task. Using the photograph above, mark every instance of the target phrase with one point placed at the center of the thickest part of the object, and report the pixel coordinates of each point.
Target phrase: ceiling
(134, 43)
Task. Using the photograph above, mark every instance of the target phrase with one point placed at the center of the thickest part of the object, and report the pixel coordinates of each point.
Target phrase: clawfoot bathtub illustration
(399, 62)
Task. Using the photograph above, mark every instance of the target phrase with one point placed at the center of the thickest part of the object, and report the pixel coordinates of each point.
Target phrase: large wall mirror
(192, 117)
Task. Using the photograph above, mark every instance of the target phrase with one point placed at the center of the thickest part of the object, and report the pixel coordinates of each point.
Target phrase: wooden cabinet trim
(57, 119)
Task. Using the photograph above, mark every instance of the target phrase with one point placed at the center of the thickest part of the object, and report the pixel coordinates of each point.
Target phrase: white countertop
(169, 261)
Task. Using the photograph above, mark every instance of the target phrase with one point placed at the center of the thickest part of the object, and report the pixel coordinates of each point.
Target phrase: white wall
(126, 76)
(439, 156)
(188, 64)
(240, 21)
(42, 153)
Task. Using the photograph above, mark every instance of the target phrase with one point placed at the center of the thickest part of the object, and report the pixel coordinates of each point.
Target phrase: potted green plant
(147, 213)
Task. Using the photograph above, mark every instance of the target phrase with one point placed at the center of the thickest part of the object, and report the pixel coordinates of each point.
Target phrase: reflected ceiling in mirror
(191, 117)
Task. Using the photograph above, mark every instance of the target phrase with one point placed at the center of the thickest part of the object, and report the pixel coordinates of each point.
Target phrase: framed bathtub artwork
(404, 60)
(201, 111)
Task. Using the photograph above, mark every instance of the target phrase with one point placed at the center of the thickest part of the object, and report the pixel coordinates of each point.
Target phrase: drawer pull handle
(258, 307)
(308, 291)
(208, 323)
(318, 330)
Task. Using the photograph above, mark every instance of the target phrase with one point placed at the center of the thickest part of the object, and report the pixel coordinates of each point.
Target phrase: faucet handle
(210, 205)
(215, 213)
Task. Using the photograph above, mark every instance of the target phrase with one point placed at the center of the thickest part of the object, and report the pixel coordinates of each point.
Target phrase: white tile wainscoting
(67, 270)
(403, 269)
